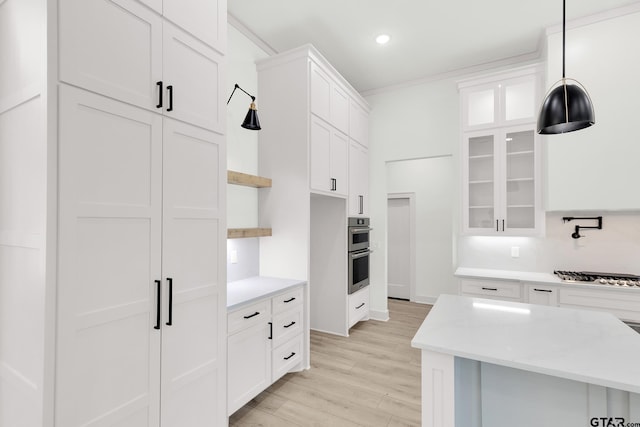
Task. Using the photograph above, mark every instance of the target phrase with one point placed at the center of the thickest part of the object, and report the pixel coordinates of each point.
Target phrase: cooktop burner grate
(614, 279)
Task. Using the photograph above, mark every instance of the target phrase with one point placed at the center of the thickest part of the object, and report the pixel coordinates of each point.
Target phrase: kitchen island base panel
(467, 393)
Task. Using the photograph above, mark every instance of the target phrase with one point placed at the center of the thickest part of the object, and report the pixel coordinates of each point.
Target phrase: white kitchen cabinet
(265, 342)
(495, 289)
(358, 124)
(358, 179)
(542, 294)
(298, 91)
(358, 306)
(501, 175)
(328, 100)
(501, 165)
(624, 304)
(504, 99)
(167, 69)
(249, 353)
(329, 157)
(116, 255)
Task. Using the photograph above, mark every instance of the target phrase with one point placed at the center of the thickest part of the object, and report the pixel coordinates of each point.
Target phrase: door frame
(412, 240)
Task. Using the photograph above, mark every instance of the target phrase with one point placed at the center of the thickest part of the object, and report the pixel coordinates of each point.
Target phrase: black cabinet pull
(170, 280)
(489, 289)
(360, 306)
(542, 290)
(159, 302)
(289, 300)
(170, 90)
(159, 84)
(361, 204)
(497, 225)
(270, 330)
(290, 324)
(252, 315)
(290, 356)
(503, 225)
(334, 184)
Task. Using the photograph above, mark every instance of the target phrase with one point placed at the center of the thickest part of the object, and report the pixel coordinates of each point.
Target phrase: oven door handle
(359, 230)
(360, 254)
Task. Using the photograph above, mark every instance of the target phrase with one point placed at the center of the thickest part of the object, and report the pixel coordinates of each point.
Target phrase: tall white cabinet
(123, 287)
(501, 154)
(315, 150)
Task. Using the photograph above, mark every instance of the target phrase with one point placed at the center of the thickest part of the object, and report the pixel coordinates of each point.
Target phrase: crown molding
(253, 37)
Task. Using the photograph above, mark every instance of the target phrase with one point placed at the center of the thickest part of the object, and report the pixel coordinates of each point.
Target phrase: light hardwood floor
(370, 379)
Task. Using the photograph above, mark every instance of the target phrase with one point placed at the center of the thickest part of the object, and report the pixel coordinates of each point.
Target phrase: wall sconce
(576, 234)
(251, 121)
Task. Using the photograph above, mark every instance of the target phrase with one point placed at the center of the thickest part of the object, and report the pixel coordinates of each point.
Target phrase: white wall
(416, 122)
(433, 182)
(242, 152)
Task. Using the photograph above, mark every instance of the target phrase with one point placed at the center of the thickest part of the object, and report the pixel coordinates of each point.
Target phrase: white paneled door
(140, 293)
(193, 297)
(108, 354)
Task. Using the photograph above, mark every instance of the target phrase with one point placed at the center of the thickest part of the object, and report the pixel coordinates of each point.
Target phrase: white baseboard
(424, 299)
(382, 316)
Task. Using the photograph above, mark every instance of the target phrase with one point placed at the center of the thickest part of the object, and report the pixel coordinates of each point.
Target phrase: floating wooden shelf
(247, 180)
(239, 233)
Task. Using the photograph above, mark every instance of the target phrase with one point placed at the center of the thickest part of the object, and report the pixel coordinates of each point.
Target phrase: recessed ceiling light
(383, 39)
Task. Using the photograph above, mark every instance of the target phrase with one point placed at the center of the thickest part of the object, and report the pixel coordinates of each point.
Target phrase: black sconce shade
(251, 121)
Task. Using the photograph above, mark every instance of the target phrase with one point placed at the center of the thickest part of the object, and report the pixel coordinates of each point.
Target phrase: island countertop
(580, 345)
(245, 291)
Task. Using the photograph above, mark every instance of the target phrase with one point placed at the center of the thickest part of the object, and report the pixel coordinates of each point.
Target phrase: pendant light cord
(564, 6)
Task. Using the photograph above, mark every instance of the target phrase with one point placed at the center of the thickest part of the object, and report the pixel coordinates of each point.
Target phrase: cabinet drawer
(286, 325)
(286, 357)
(246, 317)
(491, 289)
(287, 300)
(624, 305)
(542, 295)
(358, 306)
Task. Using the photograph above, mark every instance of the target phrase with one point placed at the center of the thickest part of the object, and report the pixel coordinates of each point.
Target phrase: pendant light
(566, 107)
(251, 121)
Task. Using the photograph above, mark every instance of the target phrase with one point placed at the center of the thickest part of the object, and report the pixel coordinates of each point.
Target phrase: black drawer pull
(290, 356)
(489, 289)
(542, 290)
(252, 315)
(289, 300)
(360, 306)
(290, 324)
(270, 330)
(170, 322)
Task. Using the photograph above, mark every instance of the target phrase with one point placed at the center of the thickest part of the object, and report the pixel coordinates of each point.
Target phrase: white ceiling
(428, 38)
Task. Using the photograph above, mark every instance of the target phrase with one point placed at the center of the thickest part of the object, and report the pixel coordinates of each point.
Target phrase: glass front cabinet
(501, 158)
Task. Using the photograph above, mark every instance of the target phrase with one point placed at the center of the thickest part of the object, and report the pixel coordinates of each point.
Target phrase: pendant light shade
(251, 121)
(567, 107)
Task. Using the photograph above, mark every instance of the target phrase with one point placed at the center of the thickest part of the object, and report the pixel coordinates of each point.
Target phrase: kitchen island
(497, 363)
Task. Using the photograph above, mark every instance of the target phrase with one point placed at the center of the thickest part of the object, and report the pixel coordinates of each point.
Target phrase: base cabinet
(541, 295)
(495, 289)
(358, 306)
(625, 305)
(265, 342)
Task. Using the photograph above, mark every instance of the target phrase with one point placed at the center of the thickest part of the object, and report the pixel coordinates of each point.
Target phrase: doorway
(400, 246)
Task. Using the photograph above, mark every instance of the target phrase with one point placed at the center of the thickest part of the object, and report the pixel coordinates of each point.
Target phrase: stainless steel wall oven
(358, 231)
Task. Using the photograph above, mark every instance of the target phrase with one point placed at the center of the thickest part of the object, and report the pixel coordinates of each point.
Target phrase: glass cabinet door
(481, 181)
(520, 180)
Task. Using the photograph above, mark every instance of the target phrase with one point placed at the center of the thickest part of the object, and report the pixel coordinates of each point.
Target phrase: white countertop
(580, 345)
(523, 276)
(248, 290)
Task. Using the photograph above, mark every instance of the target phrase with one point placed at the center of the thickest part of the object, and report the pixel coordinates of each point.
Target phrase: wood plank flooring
(370, 379)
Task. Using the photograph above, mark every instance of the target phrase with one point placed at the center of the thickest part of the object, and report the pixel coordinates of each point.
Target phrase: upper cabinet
(489, 104)
(142, 63)
(501, 185)
(590, 169)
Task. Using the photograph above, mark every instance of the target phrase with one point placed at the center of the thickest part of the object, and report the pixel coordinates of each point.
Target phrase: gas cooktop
(612, 279)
